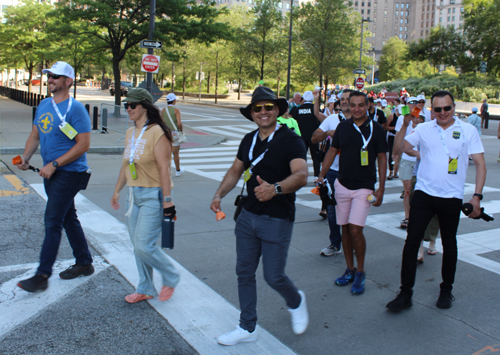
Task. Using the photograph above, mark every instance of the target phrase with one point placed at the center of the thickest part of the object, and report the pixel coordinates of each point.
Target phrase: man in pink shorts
(361, 142)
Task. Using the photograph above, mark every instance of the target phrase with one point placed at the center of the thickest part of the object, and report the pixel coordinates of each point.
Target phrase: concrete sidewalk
(16, 125)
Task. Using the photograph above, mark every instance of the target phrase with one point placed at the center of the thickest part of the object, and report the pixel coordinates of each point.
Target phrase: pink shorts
(352, 205)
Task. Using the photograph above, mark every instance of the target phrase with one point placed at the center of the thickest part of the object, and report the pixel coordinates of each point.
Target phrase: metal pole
(152, 14)
(289, 53)
(361, 46)
(199, 75)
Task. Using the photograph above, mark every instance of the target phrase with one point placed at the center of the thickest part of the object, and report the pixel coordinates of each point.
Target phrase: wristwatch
(479, 195)
(167, 199)
(277, 188)
(55, 164)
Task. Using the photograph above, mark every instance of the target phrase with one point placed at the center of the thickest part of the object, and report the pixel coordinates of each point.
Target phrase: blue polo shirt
(53, 142)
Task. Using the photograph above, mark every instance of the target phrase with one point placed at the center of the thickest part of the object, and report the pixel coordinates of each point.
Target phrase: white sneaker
(239, 335)
(300, 317)
(329, 251)
(179, 172)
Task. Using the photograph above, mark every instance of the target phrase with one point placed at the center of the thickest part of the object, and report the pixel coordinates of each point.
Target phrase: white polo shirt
(409, 130)
(433, 177)
(328, 124)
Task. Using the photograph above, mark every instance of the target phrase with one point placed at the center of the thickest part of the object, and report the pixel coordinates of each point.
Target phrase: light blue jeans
(144, 226)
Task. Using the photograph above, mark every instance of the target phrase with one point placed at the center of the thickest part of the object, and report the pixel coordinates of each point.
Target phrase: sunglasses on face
(439, 109)
(421, 102)
(267, 107)
(337, 109)
(413, 102)
(53, 76)
(132, 105)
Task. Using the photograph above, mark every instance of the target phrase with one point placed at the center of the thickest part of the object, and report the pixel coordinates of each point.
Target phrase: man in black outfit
(375, 113)
(308, 124)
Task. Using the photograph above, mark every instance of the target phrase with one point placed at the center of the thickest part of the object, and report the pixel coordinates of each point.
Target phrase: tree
(393, 63)
(122, 24)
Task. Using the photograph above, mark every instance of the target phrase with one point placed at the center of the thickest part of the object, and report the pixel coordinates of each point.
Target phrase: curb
(208, 104)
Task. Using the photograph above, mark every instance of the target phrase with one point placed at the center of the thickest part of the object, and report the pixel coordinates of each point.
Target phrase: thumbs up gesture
(265, 191)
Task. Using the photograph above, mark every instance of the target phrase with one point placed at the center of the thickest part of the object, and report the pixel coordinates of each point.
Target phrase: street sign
(360, 83)
(359, 71)
(155, 91)
(151, 44)
(483, 66)
(150, 63)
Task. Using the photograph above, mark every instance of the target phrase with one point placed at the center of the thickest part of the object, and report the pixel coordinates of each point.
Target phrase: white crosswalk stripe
(213, 163)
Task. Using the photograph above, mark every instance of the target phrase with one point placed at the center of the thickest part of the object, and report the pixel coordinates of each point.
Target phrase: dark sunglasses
(439, 109)
(53, 76)
(421, 102)
(413, 102)
(132, 105)
(267, 107)
(337, 109)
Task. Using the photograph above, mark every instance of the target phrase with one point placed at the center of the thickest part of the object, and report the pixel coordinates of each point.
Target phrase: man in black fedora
(272, 160)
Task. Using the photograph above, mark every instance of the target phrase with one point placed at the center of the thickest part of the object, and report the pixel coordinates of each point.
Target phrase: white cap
(399, 107)
(474, 109)
(376, 100)
(339, 95)
(332, 99)
(412, 98)
(171, 97)
(61, 68)
(384, 102)
(420, 97)
(308, 96)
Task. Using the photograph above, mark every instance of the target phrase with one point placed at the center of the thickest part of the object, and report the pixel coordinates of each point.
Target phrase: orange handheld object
(17, 160)
(220, 216)
(315, 191)
(416, 112)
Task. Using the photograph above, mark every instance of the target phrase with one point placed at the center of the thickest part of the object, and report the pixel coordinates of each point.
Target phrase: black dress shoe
(77, 270)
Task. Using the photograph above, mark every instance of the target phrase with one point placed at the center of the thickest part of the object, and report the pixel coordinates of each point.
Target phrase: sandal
(323, 214)
(390, 177)
(404, 223)
(396, 176)
(431, 252)
(420, 260)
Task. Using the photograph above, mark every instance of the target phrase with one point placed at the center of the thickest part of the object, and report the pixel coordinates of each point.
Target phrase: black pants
(313, 148)
(423, 208)
(390, 143)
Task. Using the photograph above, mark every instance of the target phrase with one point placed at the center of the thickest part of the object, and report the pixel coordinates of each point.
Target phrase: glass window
(385, 19)
(400, 36)
(453, 18)
(356, 3)
(385, 12)
(373, 34)
(287, 5)
(406, 13)
(362, 12)
(406, 36)
(374, 11)
(427, 32)
(407, 5)
(368, 11)
(401, 21)
(449, 11)
(461, 9)
(448, 18)
(397, 5)
(422, 33)
(406, 29)
(440, 19)
(362, 3)
(280, 4)
(454, 9)
(406, 20)
(369, 3)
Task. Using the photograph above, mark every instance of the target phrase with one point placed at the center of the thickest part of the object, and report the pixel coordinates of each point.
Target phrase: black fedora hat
(263, 93)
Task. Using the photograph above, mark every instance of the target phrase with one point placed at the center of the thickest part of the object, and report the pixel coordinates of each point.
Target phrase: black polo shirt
(275, 167)
(378, 116)
(346, 138)
(308, 122)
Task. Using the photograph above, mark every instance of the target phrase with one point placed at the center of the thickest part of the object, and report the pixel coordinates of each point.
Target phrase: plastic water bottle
(167, 233)
(371, 199)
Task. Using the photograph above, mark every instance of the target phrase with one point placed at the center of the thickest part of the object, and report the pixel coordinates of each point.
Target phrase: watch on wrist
(55, 164)
(277, 188)
(480, 196)
(167, 199)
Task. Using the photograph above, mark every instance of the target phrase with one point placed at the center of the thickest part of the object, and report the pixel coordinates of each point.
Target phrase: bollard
(87, 107)
(32, 95)
(486, 120)
(96, 118)
(34, 114)
(104, 121)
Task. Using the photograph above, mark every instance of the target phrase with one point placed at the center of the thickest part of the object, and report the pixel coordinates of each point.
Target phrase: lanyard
(442, 133)
(260, 157)
(134, 146)
(365, 142)
(63, 118)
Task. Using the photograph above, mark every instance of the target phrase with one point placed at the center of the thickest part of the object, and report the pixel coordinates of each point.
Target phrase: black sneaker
(402, 301)
(77, 270)
(444, 300)
(34, 284)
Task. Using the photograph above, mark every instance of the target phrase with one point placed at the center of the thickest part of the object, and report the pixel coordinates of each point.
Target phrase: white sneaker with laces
(239, 335)
(330, 250)
(300, 316)
(179, 172)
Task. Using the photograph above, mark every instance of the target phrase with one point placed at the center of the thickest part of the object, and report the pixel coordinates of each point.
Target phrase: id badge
(452, 166)
(247, 175)
(364, 157)
(133, 172)
(68, 130)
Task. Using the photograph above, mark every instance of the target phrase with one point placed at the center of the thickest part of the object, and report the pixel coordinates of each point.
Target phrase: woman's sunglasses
(53, 76)
(132, 105)
(439, 109)
(267, 107)
(337, 109)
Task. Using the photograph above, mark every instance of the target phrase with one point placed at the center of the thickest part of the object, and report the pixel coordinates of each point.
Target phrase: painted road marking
(197, 312)
(17, 305)
(21, 189)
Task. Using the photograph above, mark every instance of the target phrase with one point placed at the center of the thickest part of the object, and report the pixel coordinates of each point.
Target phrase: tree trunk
(208, 83)
(239, 88)
(116, 75)
(173, 76)
(183, 79)
(216, 74)
(278, 80)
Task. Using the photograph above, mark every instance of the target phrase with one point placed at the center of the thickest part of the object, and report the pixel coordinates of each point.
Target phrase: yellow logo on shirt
(456, 135)
(46, 122)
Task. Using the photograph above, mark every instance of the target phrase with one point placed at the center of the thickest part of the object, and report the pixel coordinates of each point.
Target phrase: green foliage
(469, 87)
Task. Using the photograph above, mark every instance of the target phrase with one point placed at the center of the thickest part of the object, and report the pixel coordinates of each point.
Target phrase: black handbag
(239, 202)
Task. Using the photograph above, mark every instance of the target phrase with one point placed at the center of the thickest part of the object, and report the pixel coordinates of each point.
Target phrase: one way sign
(151, 44)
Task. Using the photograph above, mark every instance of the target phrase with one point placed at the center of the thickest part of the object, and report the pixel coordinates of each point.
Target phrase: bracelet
(217, 196)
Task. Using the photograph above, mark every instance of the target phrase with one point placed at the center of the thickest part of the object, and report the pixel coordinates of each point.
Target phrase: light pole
(201, 68)
(373, 66)
(361, 45)
(152, 15)
(289, 53)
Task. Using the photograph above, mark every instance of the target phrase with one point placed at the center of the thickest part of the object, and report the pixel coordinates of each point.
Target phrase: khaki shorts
(406, 169)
